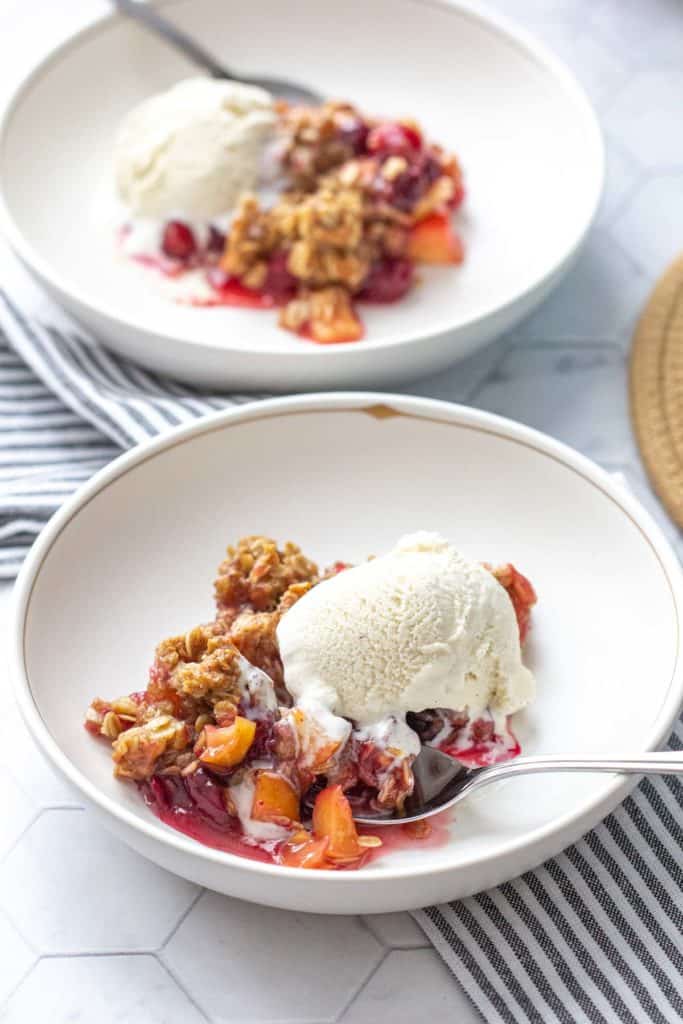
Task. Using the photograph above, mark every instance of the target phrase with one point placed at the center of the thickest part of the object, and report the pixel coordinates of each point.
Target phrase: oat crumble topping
(215, 717)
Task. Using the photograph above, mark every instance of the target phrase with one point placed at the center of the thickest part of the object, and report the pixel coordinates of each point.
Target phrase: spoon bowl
(442, 782)
(149, 18)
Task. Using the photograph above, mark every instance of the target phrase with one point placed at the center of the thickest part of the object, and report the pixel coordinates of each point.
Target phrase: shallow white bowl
(131, 558)
(528, 139)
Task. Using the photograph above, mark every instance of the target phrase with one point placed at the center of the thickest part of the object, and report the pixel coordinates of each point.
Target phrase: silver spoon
(148, 16)
(442, 782)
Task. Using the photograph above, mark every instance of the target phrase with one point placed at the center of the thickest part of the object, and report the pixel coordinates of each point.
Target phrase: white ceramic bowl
(130, 559)
(528, 139)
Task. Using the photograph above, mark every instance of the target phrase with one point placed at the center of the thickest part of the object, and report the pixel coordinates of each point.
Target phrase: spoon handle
(151, 19)
(657, 763)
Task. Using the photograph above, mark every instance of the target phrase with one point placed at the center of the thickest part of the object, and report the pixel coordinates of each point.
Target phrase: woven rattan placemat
(656, 385)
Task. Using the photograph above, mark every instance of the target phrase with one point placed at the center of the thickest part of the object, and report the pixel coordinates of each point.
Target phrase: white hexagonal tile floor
(410, 985)
(244, 972)
(29, 767)
(17, 957)
(18, 810)
(622, 173)
(459, 383)
(100, 990)
(576, 393)
(650, 226)
(643, 113)
(597, 67)
(397, 931)
(645, 34)
(69, 886)
(571, 312)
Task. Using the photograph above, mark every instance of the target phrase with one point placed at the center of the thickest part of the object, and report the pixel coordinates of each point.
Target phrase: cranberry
(208, 797)
(166, 792)
(280, 284)
(415, 181)
(388, 280)
(413, 135)
(216, 242)
(354, 133)
(178, 241)
(394, 139)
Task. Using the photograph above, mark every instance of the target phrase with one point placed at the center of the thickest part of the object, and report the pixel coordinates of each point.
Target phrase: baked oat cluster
(218, 750)
(213, 723)
(360, 204)
(365, 202)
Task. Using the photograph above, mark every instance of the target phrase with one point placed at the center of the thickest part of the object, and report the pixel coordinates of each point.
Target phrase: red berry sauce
(194, 806)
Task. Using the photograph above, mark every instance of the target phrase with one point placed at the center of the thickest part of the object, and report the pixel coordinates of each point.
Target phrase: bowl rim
(608, 792)
(493, 21)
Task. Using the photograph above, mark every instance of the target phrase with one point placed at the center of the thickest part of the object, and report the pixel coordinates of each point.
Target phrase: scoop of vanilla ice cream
(420, 627)
(194, 149)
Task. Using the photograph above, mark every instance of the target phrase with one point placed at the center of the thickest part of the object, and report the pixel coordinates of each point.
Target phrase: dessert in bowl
(529, 142)
(308, 696)
(130, 559)
(358, 203)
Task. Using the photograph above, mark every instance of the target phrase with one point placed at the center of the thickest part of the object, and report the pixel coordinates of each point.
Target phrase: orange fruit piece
(227, 746)
(303, 851)
(274, 798)
(332, 332)
(333, 820)
(433, 240)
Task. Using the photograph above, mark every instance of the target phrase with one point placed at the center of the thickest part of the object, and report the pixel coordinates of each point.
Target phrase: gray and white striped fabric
(67, 408)
(593, 935)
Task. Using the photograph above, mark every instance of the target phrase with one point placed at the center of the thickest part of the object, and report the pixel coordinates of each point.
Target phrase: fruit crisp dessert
(308, 696)
(357, 203)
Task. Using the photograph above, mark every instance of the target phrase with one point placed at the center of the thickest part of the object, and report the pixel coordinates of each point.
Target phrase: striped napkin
(594, 935)
(67, 408)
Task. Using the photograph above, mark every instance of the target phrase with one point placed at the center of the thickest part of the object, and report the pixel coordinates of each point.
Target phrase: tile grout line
(364, 982)
(368, 928)
(477, 388)
(20, 982)
(628, 255)
(613, 144)
(162, 945)
(13, 845)
(39, 813)
(31, 945)
(388, 945)
(607, 345)
(586, 344)
(99, 955)
(34, 949)
(63, 807)
(177, 982)
(39, 957)
(641, 178)
(607, 45)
